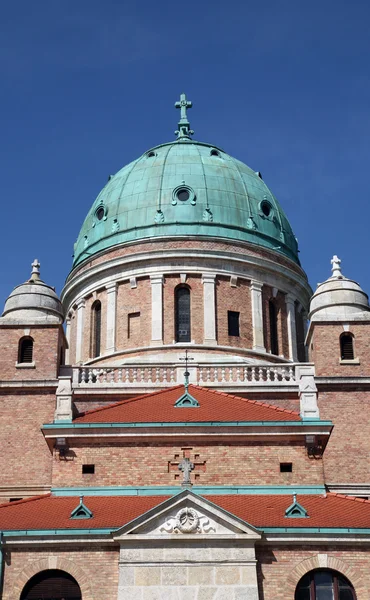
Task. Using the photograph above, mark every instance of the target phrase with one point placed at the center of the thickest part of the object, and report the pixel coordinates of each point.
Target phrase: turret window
(182, 314)
(96, 328)
(25, 350)
(346, 347)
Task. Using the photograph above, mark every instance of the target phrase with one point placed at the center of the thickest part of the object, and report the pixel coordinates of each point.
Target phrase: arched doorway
(51, 585)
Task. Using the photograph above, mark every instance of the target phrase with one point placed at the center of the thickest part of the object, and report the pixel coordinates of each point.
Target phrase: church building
(189, 420)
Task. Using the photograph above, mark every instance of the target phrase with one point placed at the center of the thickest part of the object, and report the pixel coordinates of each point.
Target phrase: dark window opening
(346, 346)
(324, 584)
(183, 195)
(96, 328)
(25, 353)
(88, 469)
(151, 154)
(182, 314)
(100, 213)
(286, 467)
(215, 153)
(266, 208)
(233, 323)
(52, 585)
(274, 343)
(15, 499)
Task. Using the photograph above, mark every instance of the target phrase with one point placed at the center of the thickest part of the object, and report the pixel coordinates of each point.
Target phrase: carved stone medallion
(187, 520)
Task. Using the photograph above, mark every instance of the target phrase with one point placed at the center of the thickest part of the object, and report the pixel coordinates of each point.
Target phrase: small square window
(233, 323)
(88, 469)
(286, 467)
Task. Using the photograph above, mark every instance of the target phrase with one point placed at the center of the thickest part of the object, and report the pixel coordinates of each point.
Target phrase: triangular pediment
(188, 514)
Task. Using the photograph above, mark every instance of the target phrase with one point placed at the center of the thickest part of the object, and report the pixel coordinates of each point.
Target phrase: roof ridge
(347, 497)
(258, 402)
(25, 500)
(126, 401)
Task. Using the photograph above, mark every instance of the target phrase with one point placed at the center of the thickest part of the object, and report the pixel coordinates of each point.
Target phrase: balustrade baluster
(119, 376)
(172, 374)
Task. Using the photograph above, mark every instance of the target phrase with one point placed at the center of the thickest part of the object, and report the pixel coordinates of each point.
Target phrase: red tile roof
(213, 406)
(52, 512)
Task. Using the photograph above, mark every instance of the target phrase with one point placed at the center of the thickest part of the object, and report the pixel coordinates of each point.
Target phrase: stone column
(68, 338)
(257, 316)
(209, 308)
(292, 333)
(110, 343)
(80, 329)
(157, 309)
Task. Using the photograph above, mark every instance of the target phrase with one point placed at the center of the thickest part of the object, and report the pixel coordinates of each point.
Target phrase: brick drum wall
(236, 299)
(217, 464)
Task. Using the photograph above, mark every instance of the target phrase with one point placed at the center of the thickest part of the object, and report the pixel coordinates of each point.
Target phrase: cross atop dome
(35, 275)
(184, 130)
(336, 268)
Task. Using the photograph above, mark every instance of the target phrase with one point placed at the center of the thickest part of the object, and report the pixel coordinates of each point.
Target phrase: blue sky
(87, 86)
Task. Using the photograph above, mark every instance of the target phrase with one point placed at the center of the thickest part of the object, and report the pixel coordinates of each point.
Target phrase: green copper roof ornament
(184, 131)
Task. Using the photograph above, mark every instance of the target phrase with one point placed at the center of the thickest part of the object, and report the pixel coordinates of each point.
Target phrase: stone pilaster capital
(289, 298)
(111, 287)
(256, 286)
(156, 279)
(209, 278)
(81, 303)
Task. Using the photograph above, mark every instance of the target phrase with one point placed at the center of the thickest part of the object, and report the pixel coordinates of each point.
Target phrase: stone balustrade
(167, 375)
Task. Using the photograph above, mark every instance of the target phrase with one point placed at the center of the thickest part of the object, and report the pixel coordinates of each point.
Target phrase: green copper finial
(184, 130)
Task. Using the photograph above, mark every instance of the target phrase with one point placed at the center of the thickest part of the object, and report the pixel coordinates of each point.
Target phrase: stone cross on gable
(186, 465)
(336, 269)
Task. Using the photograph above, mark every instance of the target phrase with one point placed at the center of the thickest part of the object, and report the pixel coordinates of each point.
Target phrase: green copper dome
(186, 188)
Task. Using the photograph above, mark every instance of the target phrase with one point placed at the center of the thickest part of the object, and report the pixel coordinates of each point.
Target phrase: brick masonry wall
(134, 300)
(236, 299)
(280, 569)
(47, 341)
(25, 459)
(215, 464)
(94, 567)
(346, 455)
(324, 350)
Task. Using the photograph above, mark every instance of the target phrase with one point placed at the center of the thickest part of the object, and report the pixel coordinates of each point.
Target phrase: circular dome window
(266, 208)
(183, 193)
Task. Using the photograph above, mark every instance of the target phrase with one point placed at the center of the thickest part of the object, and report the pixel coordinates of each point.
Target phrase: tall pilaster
(157, 309)
(257, 316)
(111, 317)
(209, 308)
(68, 338)
(80, 329)
(292, 333)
